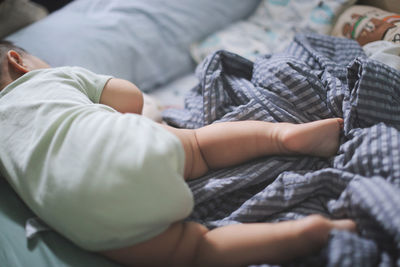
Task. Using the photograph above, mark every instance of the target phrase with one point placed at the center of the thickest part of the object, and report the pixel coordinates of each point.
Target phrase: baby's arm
(123, 96)
(191, 244)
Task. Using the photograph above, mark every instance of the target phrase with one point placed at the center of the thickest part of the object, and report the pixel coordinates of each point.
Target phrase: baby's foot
(317, 138)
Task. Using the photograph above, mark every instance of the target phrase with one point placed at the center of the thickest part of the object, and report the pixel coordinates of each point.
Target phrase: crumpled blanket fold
(317, 77)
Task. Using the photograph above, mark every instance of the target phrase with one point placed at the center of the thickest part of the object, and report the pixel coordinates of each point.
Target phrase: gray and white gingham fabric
(317, 77)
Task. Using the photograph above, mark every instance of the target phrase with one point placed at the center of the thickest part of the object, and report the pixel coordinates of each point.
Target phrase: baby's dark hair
(6, 46)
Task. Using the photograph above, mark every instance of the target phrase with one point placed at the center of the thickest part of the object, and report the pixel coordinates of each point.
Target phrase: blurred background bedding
(316, 77)
(157, 45)
(141, 41)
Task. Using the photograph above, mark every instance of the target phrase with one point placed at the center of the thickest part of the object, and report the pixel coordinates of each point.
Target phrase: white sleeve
(90, 83)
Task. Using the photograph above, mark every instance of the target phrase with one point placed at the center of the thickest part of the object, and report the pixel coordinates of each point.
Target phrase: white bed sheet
(173, 93)
(170, 95)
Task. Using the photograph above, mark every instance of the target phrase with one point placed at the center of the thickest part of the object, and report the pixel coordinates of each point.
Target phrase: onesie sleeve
(90, 83)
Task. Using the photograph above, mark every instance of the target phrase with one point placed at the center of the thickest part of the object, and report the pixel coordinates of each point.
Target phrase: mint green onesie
(103, 179)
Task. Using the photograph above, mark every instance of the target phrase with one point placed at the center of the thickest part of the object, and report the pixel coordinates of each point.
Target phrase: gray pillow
(144, 41)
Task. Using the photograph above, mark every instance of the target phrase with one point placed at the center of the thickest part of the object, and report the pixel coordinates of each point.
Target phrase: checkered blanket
(317, 77)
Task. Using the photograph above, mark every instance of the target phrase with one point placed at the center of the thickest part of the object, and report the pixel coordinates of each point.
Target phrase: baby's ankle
(287, 139)
(315, 229)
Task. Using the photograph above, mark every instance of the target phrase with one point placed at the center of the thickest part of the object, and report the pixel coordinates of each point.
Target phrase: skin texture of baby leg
(273, 243)
(318, 138)
(226, 144)
(189, 244)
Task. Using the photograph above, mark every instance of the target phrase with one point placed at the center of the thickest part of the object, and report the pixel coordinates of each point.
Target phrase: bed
(311, 75)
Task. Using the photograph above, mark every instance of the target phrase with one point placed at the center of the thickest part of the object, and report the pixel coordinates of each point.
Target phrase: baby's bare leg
(225, 144)
(229, 143)
(318, 138)
(277, 243)
(191, 244)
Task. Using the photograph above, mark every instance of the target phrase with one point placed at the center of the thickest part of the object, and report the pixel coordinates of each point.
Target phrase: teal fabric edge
(47, 249)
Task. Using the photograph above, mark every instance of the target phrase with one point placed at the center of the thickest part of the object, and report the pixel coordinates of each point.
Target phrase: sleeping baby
(77, 150)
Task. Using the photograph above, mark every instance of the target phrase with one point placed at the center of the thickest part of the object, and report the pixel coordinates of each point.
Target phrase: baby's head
(15, 62)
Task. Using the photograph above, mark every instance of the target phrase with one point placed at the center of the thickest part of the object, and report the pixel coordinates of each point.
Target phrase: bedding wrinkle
(316, 77)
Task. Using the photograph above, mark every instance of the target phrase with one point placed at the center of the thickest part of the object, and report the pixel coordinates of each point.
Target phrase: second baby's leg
(225, 144)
